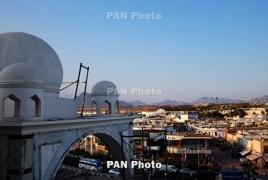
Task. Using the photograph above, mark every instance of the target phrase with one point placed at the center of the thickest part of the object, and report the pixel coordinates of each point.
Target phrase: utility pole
(198, 153)
(142, 143)
(182, 167)
(151, 170)
(122, 151)
(166, 151)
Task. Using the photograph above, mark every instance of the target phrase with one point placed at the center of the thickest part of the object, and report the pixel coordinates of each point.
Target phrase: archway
(33, 106)
(94, 108)
(110, 141)
(11, 106)
(106, 107)
(116, 107)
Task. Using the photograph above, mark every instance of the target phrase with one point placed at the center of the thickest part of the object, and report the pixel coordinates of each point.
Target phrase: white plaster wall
(100, 99)
(23, 94)
(184, 117)
(47, 152)
(30, 108)
(9, 108)
(55, 108)
(21, 150)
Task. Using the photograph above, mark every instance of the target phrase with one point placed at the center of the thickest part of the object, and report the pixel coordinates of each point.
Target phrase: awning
(265, 158)
(252, 157)
(243, 153)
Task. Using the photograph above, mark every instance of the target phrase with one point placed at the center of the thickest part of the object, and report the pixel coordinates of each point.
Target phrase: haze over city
(197, 48)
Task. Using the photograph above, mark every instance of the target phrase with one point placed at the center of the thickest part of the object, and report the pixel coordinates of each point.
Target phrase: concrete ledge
(25, 128)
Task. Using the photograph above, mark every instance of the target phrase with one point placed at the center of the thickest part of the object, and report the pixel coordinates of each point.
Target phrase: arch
(93, 107)
(116, 107)
(109, 106)
(33, 106)
(37, 101)
(111, 141)
(11, 106)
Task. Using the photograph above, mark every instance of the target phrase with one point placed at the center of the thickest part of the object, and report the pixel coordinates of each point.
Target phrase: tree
(171, 157)
(238, 112)
(266, 110)
(249, 169)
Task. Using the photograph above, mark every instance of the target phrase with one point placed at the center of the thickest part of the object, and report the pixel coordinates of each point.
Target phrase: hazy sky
(216, 48)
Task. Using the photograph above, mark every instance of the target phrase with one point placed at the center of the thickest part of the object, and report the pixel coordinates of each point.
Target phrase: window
(138, 142)
(11, 106)
(100, 143)
(33, 106)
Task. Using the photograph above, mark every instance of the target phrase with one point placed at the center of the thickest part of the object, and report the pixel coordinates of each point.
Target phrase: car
(243, 160)
(114, 171)
(209, 170)
(193, 173)
(186, 170)
(140, 169)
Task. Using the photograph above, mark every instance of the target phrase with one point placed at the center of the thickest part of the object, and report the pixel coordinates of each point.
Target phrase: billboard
(194, 151)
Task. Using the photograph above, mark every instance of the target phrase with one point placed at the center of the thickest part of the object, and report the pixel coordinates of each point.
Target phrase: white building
(30, 78)
(187, 115)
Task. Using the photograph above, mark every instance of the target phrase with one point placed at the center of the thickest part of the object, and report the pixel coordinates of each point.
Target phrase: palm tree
(249, 169)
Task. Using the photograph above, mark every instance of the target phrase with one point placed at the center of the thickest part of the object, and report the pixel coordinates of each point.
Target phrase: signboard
(231, 175)
(173, 137)
(194, 151)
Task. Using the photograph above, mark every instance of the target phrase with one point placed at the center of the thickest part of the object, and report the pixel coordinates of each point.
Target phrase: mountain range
(201, 100)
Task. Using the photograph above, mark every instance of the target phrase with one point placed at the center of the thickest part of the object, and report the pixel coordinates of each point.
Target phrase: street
(226, 161)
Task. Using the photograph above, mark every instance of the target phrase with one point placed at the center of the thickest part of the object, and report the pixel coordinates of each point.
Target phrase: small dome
(17, 47)
(104, 88)
(20, 73)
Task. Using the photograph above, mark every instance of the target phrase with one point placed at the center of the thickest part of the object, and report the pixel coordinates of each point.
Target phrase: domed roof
(20, 47)
(20, 73)
(104, 88)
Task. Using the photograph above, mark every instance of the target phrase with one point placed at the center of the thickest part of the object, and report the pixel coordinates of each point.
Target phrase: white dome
(20, 47)
(20, 73)
(104, 88)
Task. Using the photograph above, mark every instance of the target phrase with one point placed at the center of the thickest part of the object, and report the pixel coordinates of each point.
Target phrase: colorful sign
(194, 151)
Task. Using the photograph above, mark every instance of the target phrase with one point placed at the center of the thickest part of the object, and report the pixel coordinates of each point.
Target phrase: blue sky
(216, 48)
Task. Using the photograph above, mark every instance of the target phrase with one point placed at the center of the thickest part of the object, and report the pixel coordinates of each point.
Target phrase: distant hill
(205, 99)
(137, 103)
(166, 102)
(237, 101)
(201, 100)
(184, 103)
(124, 103)
(87, 99)
(260, 99)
